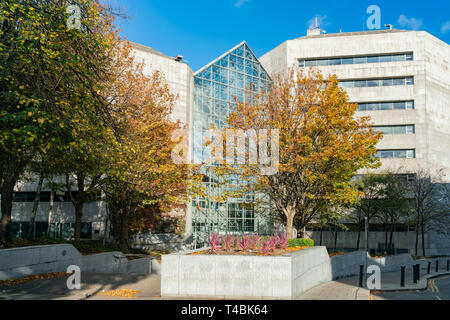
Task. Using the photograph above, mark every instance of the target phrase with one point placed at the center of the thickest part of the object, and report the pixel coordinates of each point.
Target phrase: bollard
(437, 265)
(448, 265)
(418, 271)
(402, 278)
(361, 270)
(415, 273)
(429, 267)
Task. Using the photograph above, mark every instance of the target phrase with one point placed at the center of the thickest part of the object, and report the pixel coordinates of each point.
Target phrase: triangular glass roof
(240, 59)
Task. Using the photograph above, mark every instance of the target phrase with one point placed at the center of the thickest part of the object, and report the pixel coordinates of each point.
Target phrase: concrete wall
(282, 277)
(22, 262)
(348, 265)
(148, 241)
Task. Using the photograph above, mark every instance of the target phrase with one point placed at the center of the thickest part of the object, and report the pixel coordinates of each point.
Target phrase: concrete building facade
(401, 79)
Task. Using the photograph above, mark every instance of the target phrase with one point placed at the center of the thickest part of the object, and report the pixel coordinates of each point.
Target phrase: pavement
(93, 287)
(343, 289)
(438, 289)
(435, 286)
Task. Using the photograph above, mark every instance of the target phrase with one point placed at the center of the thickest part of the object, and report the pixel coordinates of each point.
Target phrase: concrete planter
(220, 276)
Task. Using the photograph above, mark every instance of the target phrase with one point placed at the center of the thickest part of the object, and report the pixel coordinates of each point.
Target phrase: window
(398, 57)
(396, 154)
(362, 83)
(375, 106)
(399, 129)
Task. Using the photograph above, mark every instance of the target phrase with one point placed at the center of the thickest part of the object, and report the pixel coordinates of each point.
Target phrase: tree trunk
(31, 234)
(50, 212)
(321, 236)
(6, 207)
(423, 238)
(359, 235)
(124, 234)
(417, 240)
(290, 213)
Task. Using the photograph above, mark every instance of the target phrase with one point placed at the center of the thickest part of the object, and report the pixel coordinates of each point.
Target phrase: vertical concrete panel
(170, 275)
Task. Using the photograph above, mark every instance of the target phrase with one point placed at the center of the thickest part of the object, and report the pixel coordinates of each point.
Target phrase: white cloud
(445, 27)
(318, 21)
(410, 23)
(240, 3)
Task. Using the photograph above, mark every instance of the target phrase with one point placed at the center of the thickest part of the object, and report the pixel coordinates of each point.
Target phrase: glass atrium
(215, 87)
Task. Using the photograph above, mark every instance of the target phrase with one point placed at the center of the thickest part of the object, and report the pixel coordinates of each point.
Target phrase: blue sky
(201, 30)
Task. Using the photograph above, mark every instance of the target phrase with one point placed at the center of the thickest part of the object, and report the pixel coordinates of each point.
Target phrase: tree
(49, 84)
(431, 204)
(142, 174)
(372, 187)
(321, 145)
(394, 205)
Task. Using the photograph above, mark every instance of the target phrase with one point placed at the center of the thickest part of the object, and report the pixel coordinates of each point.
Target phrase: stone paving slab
(92, 284)
(343, 289)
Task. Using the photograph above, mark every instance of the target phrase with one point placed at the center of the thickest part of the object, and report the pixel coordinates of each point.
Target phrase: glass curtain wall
(215, 87)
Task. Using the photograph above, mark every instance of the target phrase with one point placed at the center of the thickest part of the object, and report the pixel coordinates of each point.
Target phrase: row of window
(376, 106)
(396, 154)
(399, 129)
(355, 60)
(57, 230)
(388, 82)
(45, 197)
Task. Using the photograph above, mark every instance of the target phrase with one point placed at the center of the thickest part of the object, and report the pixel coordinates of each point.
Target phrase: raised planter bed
(237, 276)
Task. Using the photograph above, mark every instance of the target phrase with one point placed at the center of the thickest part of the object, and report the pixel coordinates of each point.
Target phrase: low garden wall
(234, 276)
(347, 265)
(21, 262)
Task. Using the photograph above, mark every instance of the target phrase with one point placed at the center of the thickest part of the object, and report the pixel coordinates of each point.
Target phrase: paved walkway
(344, 289)
(93, 286)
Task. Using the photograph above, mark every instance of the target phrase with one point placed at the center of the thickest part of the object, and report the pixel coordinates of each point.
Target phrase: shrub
(245, 243)
(228, 240)
(255, 241)
(213, 241)
(283, 241)
(300, 243)
(265, 247)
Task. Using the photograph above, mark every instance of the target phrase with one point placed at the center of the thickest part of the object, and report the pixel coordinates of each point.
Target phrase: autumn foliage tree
(321, 145)
(142, 176)
(50, 80)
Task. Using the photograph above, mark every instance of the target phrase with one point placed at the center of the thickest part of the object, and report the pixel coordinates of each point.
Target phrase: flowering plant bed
(253, 245)
(223, 251)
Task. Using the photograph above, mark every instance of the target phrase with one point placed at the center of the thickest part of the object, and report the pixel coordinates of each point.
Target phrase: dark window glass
(347, 60)
(301, 63)
(385, 58)
(399, 105)
(373, 59)
(373, 83)
(334, 62)
(399, 82)
(387, 82)
(360, 60)
(360, 83)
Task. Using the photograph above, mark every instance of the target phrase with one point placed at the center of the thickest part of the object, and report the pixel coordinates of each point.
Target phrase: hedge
(301, 243)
